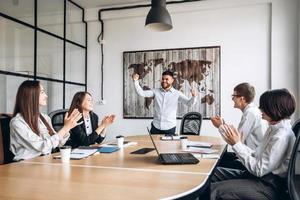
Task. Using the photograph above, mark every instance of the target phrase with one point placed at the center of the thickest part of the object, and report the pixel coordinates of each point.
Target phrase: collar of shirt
(283, 123)
(170, 90)
(250, 105)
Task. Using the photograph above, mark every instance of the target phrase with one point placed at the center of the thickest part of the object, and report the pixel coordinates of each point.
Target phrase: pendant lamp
(158, 18)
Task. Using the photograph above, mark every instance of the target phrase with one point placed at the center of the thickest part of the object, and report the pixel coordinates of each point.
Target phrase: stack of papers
(125, 144)
(175, 137)
(200, 150)
(199, 144)
(77, 154)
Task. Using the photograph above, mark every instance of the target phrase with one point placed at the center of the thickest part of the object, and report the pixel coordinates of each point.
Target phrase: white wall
(257, 40)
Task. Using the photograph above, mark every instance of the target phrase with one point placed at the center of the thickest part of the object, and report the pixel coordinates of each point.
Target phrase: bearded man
(165, 103)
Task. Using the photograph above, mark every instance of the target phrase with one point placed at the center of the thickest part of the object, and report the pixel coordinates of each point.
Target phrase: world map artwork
(193, 68)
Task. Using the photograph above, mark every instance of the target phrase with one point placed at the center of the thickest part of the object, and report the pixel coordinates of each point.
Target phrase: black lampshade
(158, 18)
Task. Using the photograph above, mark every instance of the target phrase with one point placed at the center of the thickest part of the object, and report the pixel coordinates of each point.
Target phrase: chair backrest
(294, 172)
(191, 124)
(6, 156)
(57, 118)
(296, 127)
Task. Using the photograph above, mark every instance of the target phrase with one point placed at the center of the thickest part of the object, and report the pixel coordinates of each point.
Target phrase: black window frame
(64, 39)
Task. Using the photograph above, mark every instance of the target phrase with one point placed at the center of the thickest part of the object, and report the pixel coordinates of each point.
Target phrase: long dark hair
(77, 101)
(27, 104)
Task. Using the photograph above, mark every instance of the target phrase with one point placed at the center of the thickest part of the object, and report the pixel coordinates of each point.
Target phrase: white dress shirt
(25, 144)
(88, 126)
(272, 155)
(165, 105)
(252, 126)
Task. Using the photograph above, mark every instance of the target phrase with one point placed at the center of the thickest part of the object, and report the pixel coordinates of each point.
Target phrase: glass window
(16, 47)
(70, 92)
(50, 16)
(21, 10)
(8, 87)
(49, 56)
(54, 91)
(75, 63)
(75, 29)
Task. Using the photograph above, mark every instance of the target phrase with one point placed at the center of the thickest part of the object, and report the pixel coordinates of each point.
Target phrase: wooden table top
(118, 175)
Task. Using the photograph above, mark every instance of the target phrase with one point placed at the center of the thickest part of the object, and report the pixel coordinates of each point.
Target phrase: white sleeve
(141, 92)
(28, 139)
(187, 101)
(271, 157)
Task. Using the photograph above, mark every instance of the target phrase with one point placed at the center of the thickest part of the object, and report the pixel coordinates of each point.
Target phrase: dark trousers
(230, 160)
(240, 184)
(155, 130)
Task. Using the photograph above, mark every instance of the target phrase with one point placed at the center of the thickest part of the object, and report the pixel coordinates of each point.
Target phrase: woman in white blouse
(31, 132)
(266, 166)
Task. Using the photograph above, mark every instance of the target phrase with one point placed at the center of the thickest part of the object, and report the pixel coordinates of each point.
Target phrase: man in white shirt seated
(165, 103)
(267, 165)
(252, 127)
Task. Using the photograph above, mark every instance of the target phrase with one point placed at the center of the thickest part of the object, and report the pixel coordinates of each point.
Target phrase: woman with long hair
(90, 131)
(31, 132)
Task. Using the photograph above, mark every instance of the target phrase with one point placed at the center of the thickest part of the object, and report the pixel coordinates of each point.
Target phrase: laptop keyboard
(179, 158)
(172, 158)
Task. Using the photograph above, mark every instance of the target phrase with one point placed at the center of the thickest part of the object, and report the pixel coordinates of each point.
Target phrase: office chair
(6, 156)
(293, 178)
(191, 124)
(296, 127)
(57, 118)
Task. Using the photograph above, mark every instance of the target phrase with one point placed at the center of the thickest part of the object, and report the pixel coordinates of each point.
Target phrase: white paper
(199, 144)
(200, 150)
(126, 144)
(175, 137)
(82, 153)
(210, 156)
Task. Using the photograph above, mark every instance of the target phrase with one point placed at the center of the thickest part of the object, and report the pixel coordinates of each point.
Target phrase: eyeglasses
(235, 95)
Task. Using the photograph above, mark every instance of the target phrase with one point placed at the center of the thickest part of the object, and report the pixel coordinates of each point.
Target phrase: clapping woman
(31, 132)
(90, 131)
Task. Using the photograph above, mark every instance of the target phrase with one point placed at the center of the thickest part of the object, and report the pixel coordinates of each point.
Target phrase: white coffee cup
(183, 142)
(65, 153)
(120, 140)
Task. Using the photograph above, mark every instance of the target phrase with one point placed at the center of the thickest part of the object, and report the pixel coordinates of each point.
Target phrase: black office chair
(296, 127)
(293, 179)
(191, 124)
(57, 118)
(6, 156)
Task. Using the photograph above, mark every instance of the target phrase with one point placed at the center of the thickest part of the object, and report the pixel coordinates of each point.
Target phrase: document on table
(171, 137)
(200, 150)
(199, 144)
(77, 154)
(125, 144)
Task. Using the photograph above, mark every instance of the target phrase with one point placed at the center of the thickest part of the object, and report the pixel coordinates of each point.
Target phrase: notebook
(101, 149)
(174, 158)
(108, 149)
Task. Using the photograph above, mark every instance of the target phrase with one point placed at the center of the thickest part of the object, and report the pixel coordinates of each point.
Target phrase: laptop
(174, 158)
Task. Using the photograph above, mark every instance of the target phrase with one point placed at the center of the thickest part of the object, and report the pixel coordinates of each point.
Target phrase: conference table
(117, 175)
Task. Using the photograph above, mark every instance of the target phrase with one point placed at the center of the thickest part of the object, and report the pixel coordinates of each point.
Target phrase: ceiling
(108, 3)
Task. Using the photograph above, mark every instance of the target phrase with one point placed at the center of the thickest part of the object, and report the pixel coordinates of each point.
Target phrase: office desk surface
(118, 175)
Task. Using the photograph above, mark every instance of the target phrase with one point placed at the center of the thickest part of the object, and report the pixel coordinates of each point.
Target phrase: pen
(198, 146)
(77, 153)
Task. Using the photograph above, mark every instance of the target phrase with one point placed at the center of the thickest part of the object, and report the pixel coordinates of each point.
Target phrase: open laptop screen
(153, 141)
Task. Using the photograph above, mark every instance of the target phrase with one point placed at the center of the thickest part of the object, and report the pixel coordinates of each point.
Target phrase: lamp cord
(101, 35)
